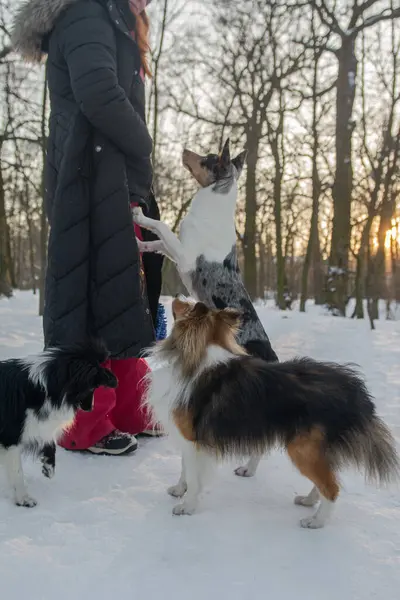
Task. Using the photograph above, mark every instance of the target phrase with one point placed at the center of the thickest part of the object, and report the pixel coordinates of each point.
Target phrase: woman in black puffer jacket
(98, 164)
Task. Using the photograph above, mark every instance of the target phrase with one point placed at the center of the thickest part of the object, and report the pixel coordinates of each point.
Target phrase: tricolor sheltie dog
(216, 401)
(39, 398)
(205, 252)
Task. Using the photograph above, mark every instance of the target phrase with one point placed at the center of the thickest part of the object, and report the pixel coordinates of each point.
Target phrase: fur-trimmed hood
(33, 20)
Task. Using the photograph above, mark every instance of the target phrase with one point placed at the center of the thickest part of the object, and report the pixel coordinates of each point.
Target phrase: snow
(103, 527)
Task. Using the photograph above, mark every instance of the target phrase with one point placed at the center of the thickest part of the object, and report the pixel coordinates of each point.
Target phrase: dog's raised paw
(244, 472)
(311, 523)
(137, 214)
(178, 490)
(142, 246)
(26, 501)
(183, 509)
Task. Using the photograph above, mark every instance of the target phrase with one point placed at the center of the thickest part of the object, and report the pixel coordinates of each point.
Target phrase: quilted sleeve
(88, 44)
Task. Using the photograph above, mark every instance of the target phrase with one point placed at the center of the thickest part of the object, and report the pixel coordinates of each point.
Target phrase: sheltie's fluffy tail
(372, 449)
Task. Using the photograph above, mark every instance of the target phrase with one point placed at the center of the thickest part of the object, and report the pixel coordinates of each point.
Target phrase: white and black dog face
(71, 375)
(217, 170)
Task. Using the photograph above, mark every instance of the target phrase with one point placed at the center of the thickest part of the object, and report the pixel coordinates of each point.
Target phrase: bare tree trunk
(31, 231)
(261, 268)
(155, 82)
(5, 247)
(370, 316)
(280, 259)
(317, 271)
(394, 252)
(313, 253)
(379, 270)
(269, 263)
(378, 283)
(307, 265)
(250, 230)
(18, 258)
(358, 312)
(343, 184)
(394, 274)
(275, 140)
(10, 258)
(361, 267)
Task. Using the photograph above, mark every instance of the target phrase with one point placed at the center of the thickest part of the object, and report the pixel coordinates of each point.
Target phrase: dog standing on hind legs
(205, 252)
(216, 402)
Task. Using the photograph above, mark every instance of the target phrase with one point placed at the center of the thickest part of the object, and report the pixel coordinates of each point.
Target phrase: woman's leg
(90, 427)
(128, 414)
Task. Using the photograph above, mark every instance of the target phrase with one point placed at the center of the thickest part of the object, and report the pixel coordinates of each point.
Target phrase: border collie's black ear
(239, 161)
(86, 402)
(225, 156)
(106, 378)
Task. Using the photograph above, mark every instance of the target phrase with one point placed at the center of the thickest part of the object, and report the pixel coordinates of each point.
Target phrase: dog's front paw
(48, 470)
(183, 509)
(244, 472)
(311, 523)
(142, 246)
(26, 501)
(178, 490)
(137, 215)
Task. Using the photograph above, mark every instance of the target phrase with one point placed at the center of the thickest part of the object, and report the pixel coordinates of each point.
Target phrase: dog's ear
(231, 317)
(86, 401)
(179, 307)
(239, 161)
(225, 156)
(106, 378)
(200, 310)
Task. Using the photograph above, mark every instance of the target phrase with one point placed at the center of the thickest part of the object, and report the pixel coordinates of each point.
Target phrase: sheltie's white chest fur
(168, 389)
(164, 389)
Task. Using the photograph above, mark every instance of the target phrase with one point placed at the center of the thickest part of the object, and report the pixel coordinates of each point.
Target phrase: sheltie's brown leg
(306, 453)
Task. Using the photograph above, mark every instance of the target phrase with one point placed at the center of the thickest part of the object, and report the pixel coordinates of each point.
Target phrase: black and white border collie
(205, 252)
(216, 401)
(39, 398)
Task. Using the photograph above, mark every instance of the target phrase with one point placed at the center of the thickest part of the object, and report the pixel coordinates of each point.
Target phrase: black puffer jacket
(98, 161)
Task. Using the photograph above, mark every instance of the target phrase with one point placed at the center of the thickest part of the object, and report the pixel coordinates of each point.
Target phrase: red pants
(113, 409)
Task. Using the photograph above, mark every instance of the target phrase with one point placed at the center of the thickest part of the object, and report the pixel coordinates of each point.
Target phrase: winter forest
(311, 88)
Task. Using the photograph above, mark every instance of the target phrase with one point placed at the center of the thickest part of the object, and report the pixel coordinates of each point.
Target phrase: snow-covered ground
(103, 528)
